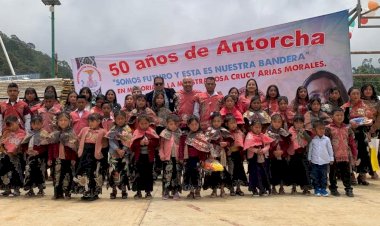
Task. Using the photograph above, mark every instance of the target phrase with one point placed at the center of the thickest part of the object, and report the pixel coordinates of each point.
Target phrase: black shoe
(138, 195)
(148, 195)
(349, 193)
(112, 196)
(124, 195)
(41, 192)
(335, 193)
(239, 193)
(30, 193)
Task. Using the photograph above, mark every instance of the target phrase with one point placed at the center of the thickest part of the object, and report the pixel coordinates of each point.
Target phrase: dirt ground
(288, 209)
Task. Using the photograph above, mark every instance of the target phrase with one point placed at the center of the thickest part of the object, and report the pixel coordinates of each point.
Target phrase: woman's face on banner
(320, 88)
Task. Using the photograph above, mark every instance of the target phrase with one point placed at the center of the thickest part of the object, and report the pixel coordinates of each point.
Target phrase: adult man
(170, 97)
(207, 102)
(186, 100)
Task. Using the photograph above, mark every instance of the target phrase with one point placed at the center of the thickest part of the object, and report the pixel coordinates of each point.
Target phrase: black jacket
(170, 94)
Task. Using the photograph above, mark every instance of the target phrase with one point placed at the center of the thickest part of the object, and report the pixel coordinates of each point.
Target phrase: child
(254, 111)
(11, 173)
(111, 97)
(49, 112)
(141, 109)
(144, 142)
(278, 154)
(235, 93)
(36, 157)
(298, 164)
(53, 91)
(14, 107)
(120, 136)
(67, 157)
(195, 150)
(88, 94)
(315, 113)
(220, 138)
(71, 102)
(99, 100)
(257, 146)
(235, 156)
(108, 117)
(230, 107)
(89, 179)
(160, 110)
(344, 147)
(80, 115)
(270, 104)
(286, 113)
(320, 155)
(335, 101)
(171, 158)
(299, 104)
(31, 98)
(129, 105)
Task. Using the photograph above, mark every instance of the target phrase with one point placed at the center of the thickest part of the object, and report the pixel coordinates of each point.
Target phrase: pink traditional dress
(96, 109)
(244, 102)
(120, 138)
(257, 164)
(207, 104)
(171, 156)
(18, 109)
(298, 169)
(11, 174)
(89, 179)
(270, 106)
(79, 120)
(235, 112)
(108, 122)
(301, 108)
(235, 159)
(311, 117)
(185, 105)
(287, 117)
(144, 157)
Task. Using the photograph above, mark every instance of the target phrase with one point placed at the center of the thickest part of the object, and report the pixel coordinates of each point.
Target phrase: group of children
(86, 146)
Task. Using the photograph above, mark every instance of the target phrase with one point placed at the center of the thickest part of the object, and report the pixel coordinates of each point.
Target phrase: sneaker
(317, 192)
(176, 196)
(165, 197)
(335, 193)
(324, 193)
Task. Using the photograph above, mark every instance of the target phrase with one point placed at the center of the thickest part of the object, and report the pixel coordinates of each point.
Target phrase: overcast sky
(97, 27)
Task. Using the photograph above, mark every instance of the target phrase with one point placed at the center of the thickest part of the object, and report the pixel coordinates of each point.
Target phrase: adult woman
(111, 97)
(355, 108)
(251, 90)
(369, 97)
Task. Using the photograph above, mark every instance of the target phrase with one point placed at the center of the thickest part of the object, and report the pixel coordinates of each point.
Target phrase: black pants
(344, 168)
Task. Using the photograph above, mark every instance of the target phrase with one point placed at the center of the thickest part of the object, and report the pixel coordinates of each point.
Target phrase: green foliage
(365, 69)
(26, 59)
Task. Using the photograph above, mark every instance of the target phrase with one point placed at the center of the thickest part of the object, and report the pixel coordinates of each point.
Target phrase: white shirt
(320, 151)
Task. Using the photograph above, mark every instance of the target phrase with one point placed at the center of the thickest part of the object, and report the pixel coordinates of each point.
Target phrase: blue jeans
(319, 175)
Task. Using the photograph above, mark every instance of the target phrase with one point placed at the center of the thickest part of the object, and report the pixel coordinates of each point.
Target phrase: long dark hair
(257, 87)
(340, 101)
(68, 96)
(296, 100)
(267, 97)
(113, 91)
(89, 99)
(330, 76)
(374, 95)
(31, 90)
(54, 91)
